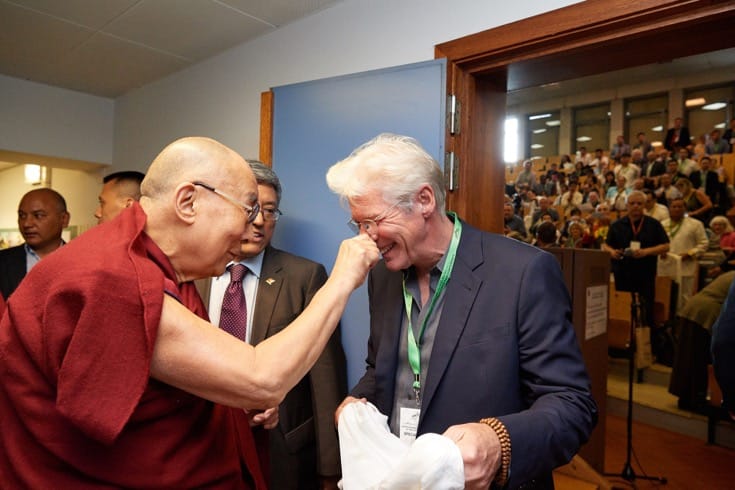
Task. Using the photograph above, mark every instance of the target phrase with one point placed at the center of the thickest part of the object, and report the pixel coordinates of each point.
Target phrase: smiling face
(398, 234)
(260, 232)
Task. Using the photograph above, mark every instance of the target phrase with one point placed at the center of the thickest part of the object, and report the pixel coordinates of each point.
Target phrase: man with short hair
(708, 181)
(495, 369)
(303, 448)
(111, 377)
(667, 191)
(687, 242)
(119, 191)
(652, 169)
(42, 217)
(677, 136)
(643, 144)
(634, 242)
(685, 164)
(619, 148)
(716, 145)
(627, 169)
(653, 208)
(513, 222)
(526, 177)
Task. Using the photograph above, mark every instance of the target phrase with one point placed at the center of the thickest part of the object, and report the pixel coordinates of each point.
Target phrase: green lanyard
(414, 352)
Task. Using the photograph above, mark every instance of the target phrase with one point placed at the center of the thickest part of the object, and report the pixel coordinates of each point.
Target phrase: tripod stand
(628, 474)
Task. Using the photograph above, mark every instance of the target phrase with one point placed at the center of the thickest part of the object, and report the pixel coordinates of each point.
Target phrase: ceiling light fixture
(695, 102)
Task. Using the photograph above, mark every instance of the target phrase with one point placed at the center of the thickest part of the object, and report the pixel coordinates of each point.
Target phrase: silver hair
(396, 165)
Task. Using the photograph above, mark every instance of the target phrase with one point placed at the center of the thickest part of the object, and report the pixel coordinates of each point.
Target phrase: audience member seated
(619, 148)
(724, 233)
(577, 236)
(526, 176)
(666, 191)
(716, 145)
(638, 158)
(600, 226)
(513, 222)
(600, 162)
(544, 208)
(653, 208)
(685, 165)
(572, 197)
(566, 164)
(643, 144)
(692, 343)
(608, 181)
(546, 235)
(627, 169)
(672, 169)
(698, 205)
(687, 242)
(590, 203)
(652, 169)
(617, 195)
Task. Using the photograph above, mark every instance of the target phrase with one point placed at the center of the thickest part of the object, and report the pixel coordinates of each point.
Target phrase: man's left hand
(480, 449)
(328, 482)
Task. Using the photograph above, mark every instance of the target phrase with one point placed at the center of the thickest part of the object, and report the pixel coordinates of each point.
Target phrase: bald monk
(42, 217)
(109, 380)
(119, 191)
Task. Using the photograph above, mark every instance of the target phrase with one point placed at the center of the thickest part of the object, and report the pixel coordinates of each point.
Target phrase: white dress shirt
(249, 288)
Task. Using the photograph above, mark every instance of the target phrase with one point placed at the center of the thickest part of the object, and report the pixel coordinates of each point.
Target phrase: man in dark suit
(469, 331)
(304, 450)
(678, 136)
(42, 216)
(708, 180)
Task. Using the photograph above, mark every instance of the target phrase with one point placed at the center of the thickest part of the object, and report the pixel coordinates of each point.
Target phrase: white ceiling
(109, 47)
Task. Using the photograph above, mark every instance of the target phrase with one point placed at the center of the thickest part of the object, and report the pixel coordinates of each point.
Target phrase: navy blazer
(505, 347)
(12, 269)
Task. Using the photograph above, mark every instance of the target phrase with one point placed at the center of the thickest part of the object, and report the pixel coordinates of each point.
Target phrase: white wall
(37, 118)
(220, 97)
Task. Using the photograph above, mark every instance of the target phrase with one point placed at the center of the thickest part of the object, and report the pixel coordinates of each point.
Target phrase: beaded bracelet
(501, 477)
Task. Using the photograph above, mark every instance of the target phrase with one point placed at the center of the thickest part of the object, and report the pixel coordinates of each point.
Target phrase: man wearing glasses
(469, 331)
(111, 377)
(304, 451)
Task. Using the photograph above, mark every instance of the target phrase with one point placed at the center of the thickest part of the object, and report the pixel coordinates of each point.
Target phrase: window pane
(708, 109)
(592, 127)
(543, 134)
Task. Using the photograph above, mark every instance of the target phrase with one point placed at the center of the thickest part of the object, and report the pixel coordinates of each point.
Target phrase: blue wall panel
(318, 123)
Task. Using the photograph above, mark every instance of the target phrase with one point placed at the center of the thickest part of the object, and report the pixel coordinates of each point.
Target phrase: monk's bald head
(197, 196)
(195, 159)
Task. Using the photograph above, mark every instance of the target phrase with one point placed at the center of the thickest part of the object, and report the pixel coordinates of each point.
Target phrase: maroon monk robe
(77, 404)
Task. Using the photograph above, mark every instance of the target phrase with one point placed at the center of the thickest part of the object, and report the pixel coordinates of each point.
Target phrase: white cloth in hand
(375, 459)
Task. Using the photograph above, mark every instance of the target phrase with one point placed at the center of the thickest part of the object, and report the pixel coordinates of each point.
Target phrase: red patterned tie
(234, 316)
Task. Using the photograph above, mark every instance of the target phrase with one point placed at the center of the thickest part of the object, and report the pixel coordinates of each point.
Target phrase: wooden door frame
(582, 39)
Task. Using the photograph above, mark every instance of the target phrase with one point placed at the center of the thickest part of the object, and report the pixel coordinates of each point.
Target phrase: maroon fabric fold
(78, 406)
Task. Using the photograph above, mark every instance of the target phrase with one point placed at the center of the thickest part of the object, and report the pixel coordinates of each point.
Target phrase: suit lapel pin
(270, 281)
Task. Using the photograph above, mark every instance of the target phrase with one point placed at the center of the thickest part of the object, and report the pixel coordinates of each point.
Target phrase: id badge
(409, 423)
(635, 245)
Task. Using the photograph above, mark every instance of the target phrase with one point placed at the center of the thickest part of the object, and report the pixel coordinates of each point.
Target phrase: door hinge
(453, 112)
(451, 171)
